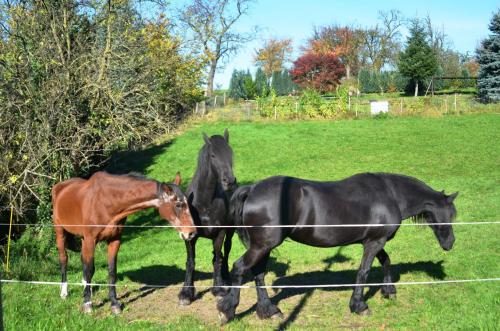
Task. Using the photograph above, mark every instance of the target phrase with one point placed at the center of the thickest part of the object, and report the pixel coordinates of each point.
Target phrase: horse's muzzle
(187, 236)
(229, 186)
(448, 243)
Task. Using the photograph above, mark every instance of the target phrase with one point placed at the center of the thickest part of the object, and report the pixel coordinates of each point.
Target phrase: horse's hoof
(183, 302)
(278, 315)
(365, 312)
(116, 310)
(391, 296)
(87, 308)
(223, 318)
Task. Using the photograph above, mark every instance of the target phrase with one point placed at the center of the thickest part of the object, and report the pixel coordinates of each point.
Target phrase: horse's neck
(412, 198)
(129, 199)
(203, 186)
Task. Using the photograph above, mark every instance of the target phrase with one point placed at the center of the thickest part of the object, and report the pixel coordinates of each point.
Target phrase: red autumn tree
(321, 72)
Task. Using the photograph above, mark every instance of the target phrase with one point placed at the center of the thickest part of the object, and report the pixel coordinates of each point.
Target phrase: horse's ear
(205, 137)
(226, 135)
(450, 198)
(178, 179)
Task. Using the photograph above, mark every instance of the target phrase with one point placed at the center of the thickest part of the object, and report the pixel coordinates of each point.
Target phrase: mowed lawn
(455, 153)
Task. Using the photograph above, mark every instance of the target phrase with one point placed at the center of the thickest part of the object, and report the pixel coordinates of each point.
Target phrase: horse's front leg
(371, 248)
(88, 248)
(113, 247)
(186, 295)
(226, 277)
(217, 289)
(388, 291)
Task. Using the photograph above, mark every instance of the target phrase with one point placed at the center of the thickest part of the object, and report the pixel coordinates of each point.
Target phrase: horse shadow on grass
(155, 277)
(326, 276)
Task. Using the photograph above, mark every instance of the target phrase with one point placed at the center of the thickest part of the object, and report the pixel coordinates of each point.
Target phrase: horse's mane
(423, 217)
(136, 175)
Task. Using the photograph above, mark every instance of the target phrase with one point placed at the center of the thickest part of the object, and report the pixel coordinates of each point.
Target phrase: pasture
(455, 153)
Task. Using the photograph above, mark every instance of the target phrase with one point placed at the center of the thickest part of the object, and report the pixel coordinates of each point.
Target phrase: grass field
(456, 153)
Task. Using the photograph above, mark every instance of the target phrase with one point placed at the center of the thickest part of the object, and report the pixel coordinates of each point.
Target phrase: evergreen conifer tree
(276, 82)
(418, 61)
(261, 86)
(488, 56)
(248, 86)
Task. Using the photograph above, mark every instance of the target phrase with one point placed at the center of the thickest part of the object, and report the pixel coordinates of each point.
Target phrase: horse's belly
(325, 237)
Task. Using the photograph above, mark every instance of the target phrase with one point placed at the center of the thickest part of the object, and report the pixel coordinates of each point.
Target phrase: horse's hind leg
(63, 259)
(371, 248)
(227, 306)
(217, 290)
(113, 247)
(88, 248)
(265, 309)
(186, 295)
(388, 291)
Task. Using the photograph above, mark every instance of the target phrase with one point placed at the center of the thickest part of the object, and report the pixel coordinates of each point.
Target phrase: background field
(456, 153)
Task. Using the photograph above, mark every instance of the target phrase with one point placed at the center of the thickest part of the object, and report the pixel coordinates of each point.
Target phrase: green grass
(455, 153)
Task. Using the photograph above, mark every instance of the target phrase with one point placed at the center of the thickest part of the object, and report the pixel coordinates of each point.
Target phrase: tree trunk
(210, 81)
(416, 88)
(347, 71)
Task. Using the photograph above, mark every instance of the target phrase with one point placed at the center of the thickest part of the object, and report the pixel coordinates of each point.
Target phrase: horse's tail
(236, 212)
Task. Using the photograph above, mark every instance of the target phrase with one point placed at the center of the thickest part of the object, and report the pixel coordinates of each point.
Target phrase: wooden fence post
(401, 106)
(455, 103)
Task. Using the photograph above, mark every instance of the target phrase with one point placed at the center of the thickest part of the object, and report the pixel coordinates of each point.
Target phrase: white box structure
(378, 107)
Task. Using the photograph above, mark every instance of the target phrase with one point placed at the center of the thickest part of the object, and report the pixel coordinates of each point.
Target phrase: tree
(261, 83)
(488, 57)
(249, 86)
(273, 55)
(418, 60)
(381, 43)
(321, 72)
(236, 85)
(342, 41)
(277, 83)
(212, 24)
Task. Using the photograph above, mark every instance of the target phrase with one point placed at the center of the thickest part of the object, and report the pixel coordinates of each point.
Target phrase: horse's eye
(178, 205)
(213, 155)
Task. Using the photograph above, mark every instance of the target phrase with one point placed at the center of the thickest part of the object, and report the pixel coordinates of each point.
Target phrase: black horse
(208, 199)
(360, 199)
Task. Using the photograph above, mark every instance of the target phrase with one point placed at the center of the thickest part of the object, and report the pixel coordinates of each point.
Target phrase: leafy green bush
(309, 104)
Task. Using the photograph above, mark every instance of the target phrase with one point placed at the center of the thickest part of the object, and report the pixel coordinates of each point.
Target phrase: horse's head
(443, 211)
(174, 208)
(220, 158)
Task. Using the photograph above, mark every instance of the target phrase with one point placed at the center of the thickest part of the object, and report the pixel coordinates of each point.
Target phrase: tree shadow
(124, 162)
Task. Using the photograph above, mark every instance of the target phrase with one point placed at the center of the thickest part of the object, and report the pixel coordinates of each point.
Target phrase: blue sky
(464, 22)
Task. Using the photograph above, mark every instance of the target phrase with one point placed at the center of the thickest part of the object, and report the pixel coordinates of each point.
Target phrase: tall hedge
(78, 81)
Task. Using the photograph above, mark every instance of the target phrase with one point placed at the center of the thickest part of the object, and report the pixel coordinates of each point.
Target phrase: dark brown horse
(95, 209)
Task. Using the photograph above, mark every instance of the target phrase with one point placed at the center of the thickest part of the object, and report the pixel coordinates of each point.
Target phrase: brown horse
(95, 209)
